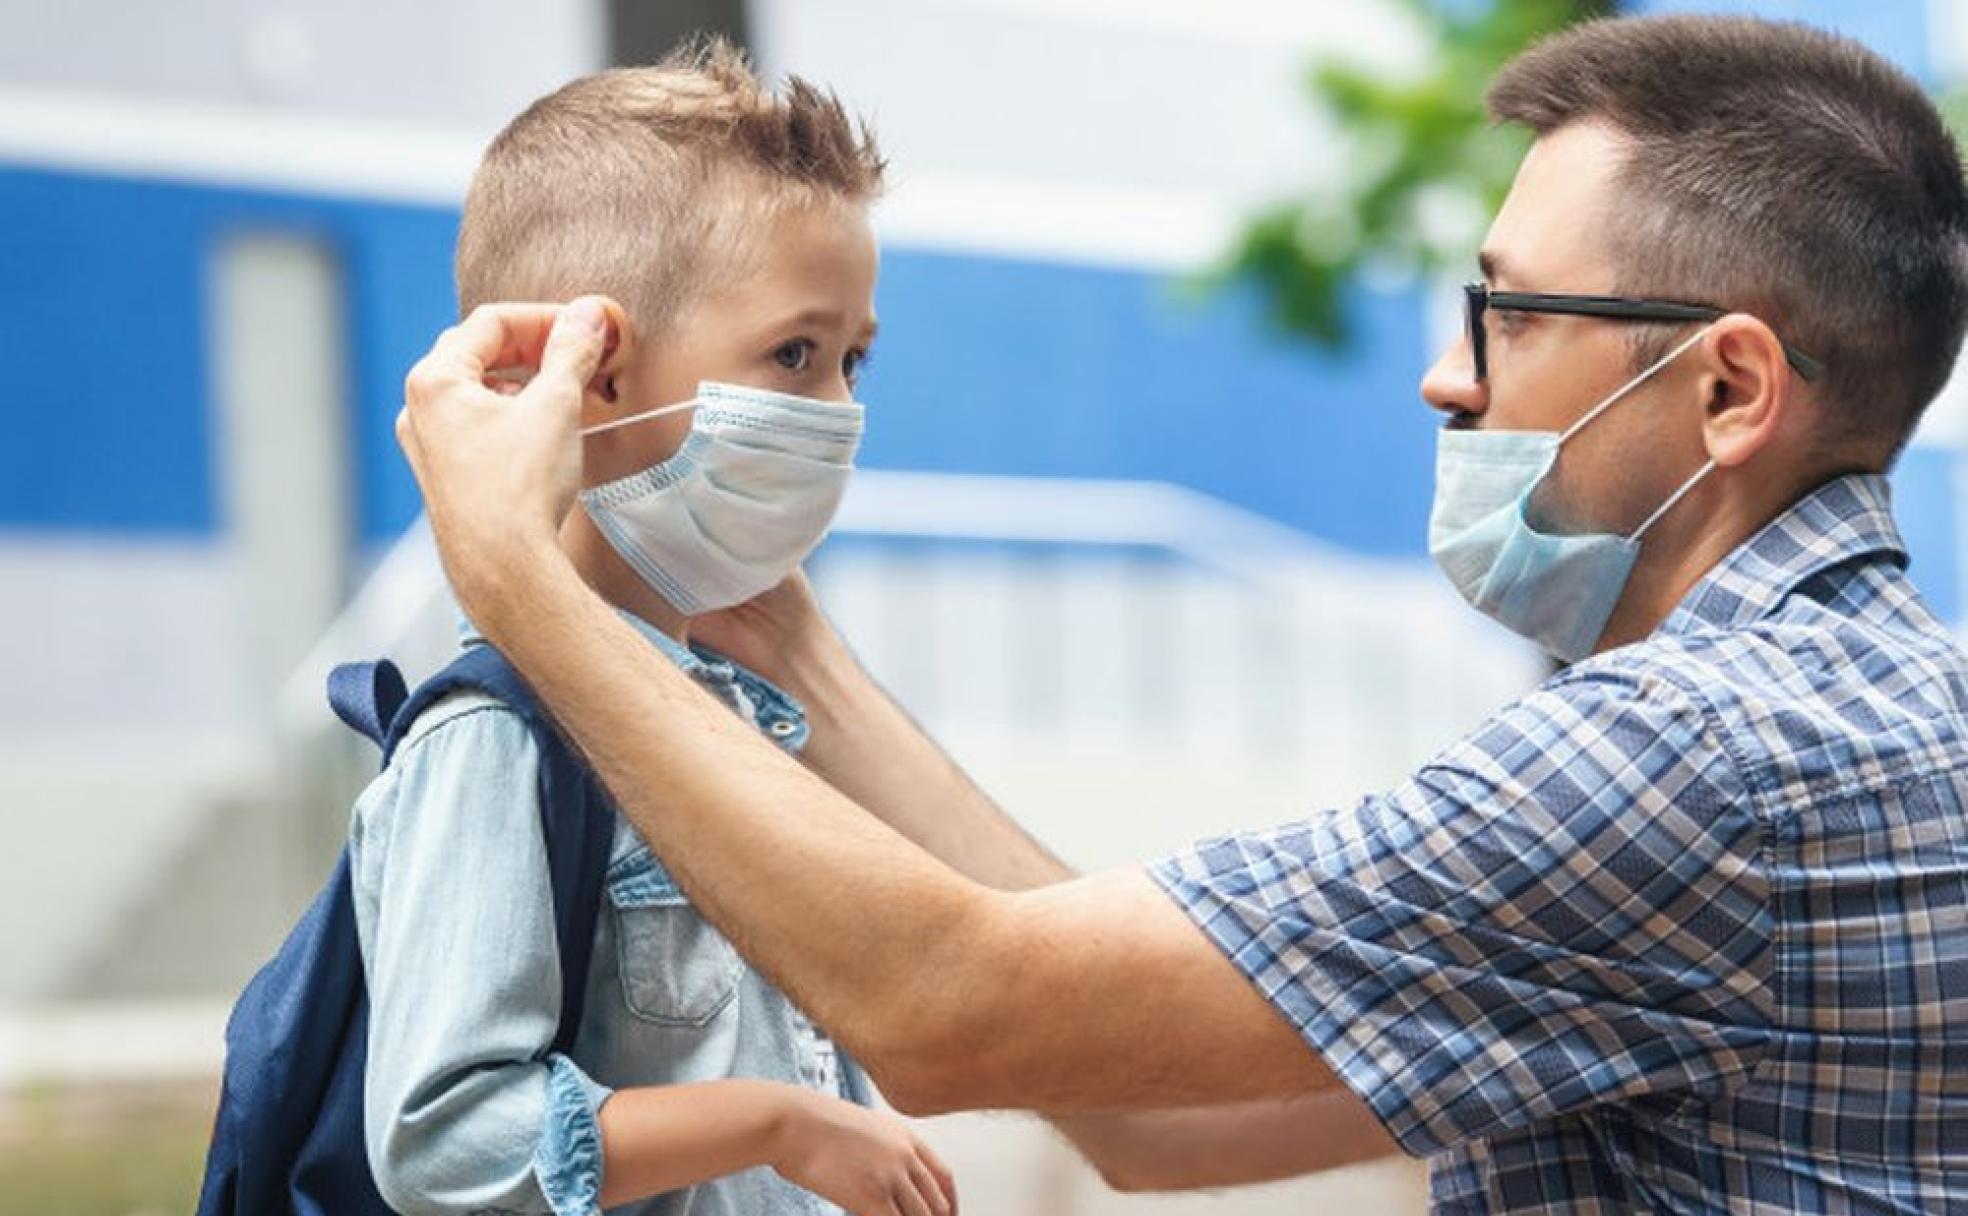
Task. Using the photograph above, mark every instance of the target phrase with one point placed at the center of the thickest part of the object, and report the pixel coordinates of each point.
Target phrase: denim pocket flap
(640, 881)
(676, 968)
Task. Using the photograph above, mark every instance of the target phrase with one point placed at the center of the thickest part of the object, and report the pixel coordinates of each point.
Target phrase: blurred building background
(1149, 567)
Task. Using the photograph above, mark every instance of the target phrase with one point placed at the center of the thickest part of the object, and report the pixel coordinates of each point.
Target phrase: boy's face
(798, 319)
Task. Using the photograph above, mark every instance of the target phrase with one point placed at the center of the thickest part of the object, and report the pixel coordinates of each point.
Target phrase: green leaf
(1408, 141)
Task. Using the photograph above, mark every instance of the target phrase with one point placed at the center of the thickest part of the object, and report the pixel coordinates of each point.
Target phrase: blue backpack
(288, 1139)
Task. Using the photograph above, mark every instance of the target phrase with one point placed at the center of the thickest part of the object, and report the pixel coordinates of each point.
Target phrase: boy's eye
(794, 356)
(853, 363)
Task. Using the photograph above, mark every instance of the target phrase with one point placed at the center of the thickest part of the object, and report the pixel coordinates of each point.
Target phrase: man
(1684, 929)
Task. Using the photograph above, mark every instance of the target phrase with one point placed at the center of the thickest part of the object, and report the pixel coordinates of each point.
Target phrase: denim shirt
(466, 1109)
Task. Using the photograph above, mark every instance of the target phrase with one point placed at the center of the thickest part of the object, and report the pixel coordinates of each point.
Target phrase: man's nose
(1451, 385)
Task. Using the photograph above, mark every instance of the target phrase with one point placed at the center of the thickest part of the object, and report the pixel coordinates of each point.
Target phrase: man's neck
(1656, 589)
(615, 580)
(1689, 543)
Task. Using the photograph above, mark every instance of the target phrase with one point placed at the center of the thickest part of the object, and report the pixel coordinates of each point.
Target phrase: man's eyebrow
(1492, 266)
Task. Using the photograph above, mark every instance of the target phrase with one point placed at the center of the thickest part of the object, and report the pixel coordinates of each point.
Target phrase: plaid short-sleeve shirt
(1684, 930)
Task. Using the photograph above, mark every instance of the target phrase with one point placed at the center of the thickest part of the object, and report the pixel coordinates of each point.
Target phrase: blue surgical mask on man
(1557, 590)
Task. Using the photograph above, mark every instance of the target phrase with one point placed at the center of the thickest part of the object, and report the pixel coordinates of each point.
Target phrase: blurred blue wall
(986, 364)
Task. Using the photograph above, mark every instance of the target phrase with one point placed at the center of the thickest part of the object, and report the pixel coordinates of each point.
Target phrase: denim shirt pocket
(676, 969)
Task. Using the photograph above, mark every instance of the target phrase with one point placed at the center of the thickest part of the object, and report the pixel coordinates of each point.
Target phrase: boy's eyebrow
(828, 317)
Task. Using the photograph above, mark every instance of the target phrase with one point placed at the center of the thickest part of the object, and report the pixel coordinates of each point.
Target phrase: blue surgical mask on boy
(1558, 591)
(747, 496)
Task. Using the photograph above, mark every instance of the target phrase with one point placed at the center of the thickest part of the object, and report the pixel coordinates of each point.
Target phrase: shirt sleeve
(465, 1108)
(1567, 908)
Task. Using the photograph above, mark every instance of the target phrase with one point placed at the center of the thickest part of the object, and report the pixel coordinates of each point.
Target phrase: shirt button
(782, 727)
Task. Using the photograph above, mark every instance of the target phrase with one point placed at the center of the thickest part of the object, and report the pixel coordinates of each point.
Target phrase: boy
(730, 225)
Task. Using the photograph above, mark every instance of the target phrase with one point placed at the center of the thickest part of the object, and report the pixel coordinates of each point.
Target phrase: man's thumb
(576, 345)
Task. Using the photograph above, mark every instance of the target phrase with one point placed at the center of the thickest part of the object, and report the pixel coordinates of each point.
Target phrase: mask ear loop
(658, 412)
(1673, 498)
(1700, 473)
(1632, 384)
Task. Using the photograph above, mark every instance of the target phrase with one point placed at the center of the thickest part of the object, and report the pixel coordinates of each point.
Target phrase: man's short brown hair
(640, 182)
(1782, 171)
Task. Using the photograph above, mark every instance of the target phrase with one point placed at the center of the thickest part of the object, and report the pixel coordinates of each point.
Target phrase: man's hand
(499, 469)
(774, 633)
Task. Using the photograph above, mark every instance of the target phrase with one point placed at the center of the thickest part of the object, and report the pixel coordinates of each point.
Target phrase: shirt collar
(676, 652)
(774, 710)
(1845, 518)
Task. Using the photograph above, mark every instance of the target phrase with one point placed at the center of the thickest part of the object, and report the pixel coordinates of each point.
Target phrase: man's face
(793, 313)
(1545, 371)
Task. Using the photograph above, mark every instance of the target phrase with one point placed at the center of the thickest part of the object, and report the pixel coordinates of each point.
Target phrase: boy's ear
(618, 354)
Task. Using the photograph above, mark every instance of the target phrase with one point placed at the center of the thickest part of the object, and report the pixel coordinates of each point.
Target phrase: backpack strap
(576, 817)
(367, 696)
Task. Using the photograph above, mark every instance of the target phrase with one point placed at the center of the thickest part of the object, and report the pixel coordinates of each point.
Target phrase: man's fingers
(575, 345)
(508, 335)
(494, 335)
(406, 437)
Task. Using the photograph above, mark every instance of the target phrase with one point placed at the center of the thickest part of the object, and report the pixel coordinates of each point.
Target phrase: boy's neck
(615, 581)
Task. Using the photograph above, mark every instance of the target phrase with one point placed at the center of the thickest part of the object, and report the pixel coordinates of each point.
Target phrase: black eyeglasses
(1478, 299)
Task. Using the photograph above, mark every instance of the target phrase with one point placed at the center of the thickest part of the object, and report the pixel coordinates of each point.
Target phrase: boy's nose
(840, 390)
(1451, 385)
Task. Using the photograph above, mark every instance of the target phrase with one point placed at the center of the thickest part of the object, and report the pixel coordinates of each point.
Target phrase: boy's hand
(500, 469)
(866, 1161)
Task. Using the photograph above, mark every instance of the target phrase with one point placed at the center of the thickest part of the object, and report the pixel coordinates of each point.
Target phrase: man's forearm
(762, 847)
(867, 747)
(1183, 1150)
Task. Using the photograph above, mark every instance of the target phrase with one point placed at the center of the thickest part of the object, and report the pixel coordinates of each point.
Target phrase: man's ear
(1746, 384)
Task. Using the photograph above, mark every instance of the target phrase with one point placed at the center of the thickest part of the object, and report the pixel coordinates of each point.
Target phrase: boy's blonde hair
(639, 182)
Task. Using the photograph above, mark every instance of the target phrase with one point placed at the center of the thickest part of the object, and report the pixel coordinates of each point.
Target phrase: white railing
(1127, 665)
(1128, 611)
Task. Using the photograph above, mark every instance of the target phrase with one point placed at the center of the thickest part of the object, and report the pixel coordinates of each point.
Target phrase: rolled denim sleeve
(465, 1108)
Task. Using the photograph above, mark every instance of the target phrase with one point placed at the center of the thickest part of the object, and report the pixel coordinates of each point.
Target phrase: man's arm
(1092, 994)
(1219, 1146)
(1096, 994)
(869, 748)
(865, 745)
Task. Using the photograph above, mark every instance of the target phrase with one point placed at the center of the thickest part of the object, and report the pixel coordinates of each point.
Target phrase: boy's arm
(665, 1138)
(463, 1107)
